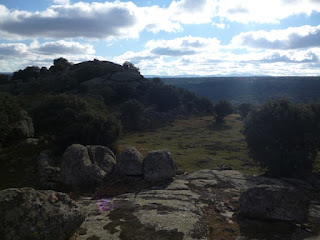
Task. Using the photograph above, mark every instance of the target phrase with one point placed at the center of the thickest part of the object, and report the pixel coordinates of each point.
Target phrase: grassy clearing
(195, 144)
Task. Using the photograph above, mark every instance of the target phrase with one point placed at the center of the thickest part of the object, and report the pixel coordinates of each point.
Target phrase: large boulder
(30, 214)
(81, 171)
(158, 166)
(102, 157)
(130, 162)
(274, 202)
(24, 128)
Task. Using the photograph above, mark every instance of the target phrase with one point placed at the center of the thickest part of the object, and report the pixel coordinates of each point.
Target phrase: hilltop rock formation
(85, 167)
(23, 129)
(30, 214)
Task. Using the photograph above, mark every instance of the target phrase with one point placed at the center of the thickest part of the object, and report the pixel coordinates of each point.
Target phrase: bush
(222, 109)
(133, 115)
(9, 114)
(72, 119)
(245, 109)
(165, 97)
(27, 74)
(284, 138)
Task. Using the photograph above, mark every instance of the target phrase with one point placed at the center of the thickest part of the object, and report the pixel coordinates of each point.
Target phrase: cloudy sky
(164, 37)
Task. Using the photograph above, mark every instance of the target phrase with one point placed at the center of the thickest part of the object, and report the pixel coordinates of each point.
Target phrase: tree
(72, 119)
(129, 66)
(61, 64)
(165, 97)
(27, 74)
(133, 115)
(222, 109)
(9, 115)
(284, 138)
(245, 109)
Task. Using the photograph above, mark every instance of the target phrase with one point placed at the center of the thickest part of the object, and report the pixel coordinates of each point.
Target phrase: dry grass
(195, 144)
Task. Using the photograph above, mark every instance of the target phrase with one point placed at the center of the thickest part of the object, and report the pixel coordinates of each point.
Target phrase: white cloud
(201, 56)
(61, 47)
(85, 20)
(265, 11)
(192, 12)
(21, 55)
(290, 38)
(62, 2)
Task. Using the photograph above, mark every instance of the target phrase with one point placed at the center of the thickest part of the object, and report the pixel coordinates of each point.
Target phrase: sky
(166, 38)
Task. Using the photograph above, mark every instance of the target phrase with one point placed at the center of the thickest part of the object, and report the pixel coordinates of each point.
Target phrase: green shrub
(133, 115)
(9, 114)
(72, 119)
(284, 137)
(244, 109)
(163, 96)
(222, 109)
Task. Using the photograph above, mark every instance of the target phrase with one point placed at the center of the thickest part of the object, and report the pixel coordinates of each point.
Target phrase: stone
(24, 128)
(81, 171)
(49, 174)
(102, 156)
(30, 142)
(32, 214)
(148, 214)
(274, 202)
(158, 166)
(130, 162)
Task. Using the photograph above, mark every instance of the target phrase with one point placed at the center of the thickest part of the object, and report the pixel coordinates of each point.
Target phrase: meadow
(195, 144)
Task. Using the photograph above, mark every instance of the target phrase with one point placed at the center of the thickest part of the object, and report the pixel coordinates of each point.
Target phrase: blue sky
(181, 37)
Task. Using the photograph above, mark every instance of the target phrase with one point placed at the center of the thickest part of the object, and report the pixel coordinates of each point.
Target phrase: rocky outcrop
(201, 205)
(49, 174)
(168, 213)
(103, 157)
(274, 202)
(158, 166)
(85, 167)
(24, 128)
(30, 214)
(130, 162)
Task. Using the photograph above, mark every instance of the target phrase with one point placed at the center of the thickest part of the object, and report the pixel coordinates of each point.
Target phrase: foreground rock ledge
(30, 214)
(202, 205)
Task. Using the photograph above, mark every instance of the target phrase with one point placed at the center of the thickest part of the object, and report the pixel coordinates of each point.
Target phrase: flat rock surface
(201, 205)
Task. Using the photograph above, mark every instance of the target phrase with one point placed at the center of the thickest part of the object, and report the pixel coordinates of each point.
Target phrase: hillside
(255, 90)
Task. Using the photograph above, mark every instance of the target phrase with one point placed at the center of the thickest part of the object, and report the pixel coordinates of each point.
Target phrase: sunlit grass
(195, 144)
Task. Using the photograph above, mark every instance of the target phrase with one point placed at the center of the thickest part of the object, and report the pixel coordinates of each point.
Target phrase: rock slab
(30, 214)
(274, 202)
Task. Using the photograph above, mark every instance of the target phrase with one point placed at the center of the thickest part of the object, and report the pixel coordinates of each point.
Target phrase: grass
(19, 166)
(196, 144)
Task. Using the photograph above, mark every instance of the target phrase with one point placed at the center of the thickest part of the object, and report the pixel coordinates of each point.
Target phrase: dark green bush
(9, 114)
(72, 119)
(26, 74)
(284, 137)
(133, 115)
(163, 96)
(222, 109)
(244, 109)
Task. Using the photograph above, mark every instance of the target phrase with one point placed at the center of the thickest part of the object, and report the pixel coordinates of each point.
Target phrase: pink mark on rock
(105, 205)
